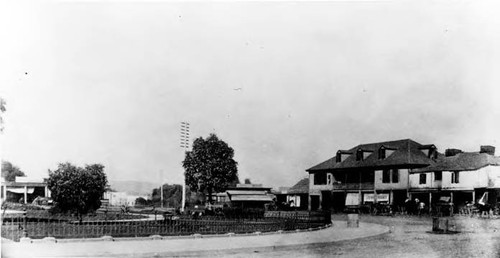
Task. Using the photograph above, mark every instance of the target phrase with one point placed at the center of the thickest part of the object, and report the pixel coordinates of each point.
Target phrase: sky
(285, 84)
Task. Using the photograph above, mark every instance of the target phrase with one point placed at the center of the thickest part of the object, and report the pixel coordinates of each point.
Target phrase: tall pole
(184, 134)
(161, 188)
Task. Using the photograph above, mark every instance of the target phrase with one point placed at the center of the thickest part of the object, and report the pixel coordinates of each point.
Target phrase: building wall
(316, 189)
(493, 176)
(121, 198)
(401, 185)
(468, 180)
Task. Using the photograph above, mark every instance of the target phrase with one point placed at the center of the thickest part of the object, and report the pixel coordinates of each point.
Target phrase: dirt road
(409, 237)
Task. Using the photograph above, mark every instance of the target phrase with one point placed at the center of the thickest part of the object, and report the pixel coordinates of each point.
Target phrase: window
(438, 176)
(352, 177)
(386, 176)
(455, 177)
(359, 155)
(320, 178)
(423, 179)
(329, 179)
(390, 176)
(395, 175)
(367, 176)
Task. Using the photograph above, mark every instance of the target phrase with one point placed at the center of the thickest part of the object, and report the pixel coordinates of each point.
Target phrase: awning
(251, 198)
(21, 190)
(245, 192)
(444, 199)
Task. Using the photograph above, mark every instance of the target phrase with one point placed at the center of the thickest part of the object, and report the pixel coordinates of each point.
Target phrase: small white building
(24, 189)
(121, 198)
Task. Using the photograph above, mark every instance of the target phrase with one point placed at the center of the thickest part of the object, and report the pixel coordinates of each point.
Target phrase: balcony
(354, 186)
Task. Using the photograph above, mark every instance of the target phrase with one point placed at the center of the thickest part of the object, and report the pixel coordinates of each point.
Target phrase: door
(338, 201)
(326, 200)
(314, 202)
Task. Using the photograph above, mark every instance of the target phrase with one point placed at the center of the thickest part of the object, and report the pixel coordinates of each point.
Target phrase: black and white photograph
(250, 128)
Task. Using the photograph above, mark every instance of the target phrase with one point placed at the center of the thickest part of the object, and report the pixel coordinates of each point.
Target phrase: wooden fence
(15, 228)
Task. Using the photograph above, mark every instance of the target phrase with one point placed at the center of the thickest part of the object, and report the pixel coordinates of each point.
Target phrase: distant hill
(132, 187)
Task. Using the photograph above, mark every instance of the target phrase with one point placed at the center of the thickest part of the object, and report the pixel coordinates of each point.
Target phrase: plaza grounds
(377, 236)
(410, 236)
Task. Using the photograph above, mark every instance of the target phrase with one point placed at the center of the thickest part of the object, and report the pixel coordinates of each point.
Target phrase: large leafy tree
(9, 171)
(77, 189)
(209, 166)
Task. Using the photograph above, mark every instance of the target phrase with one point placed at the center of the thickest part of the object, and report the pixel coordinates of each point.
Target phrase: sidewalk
(179, 246)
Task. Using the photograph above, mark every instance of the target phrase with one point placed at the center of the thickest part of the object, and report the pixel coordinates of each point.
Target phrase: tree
(77, 189)
(210, 166)
(172, 195)
(9, 171)
(141, 201)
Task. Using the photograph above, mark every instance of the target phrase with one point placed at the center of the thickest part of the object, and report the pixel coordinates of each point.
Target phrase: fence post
(12, 228)
(25, 222)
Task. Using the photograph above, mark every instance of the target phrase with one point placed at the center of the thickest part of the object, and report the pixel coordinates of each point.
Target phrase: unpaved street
(410, 237)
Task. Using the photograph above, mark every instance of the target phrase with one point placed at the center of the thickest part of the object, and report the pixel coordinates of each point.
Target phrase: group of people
(414, 207)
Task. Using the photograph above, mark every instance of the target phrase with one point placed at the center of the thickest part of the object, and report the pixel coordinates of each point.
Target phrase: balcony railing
(354, 186)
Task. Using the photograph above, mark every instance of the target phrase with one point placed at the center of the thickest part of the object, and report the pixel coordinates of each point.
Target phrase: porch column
(474, 196)
(320, 200)
(25, 194)
(46, 191)
(451, 197)
(4, 192)
(391, 197)
(360, 198)
(309, 202)
(430, 201)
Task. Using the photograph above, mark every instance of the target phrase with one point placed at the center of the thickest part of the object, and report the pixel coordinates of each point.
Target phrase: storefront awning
(251, 198)
(245, 192)
(30, 190)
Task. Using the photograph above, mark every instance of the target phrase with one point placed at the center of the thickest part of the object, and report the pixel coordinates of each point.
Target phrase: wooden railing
(354, 186)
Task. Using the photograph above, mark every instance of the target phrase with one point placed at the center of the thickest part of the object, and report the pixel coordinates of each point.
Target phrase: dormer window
(359, 155)
(362, 154)
(381, 153)
(342, 155)
(430, 151)
(385, 152)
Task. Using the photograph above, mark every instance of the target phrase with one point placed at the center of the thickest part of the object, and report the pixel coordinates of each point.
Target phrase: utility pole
(161, 188)
(184, 134)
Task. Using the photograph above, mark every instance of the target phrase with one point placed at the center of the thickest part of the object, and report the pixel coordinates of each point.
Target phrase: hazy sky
(286, 84)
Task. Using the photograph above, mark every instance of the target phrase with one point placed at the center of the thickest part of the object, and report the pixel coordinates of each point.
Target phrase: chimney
(452, 152)
(488, 149)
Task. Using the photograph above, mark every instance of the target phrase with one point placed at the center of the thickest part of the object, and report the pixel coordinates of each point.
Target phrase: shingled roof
(300, 187)
(406, 153)
(465, 161)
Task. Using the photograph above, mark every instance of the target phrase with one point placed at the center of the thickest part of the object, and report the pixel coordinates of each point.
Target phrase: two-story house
(459, 177)
(375, 172)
